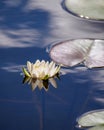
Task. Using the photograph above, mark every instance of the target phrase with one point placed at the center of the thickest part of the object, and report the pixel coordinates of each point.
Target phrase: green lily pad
(89, 9)
(92, 118)
(100, 127)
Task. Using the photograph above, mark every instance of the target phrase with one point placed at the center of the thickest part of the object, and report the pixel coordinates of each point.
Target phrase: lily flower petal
(29, 66)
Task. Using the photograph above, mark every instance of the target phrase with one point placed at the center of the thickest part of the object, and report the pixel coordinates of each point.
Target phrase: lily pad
(94, 119)
(72, 52)
(100, 127)
(95, 58)
(89, 9)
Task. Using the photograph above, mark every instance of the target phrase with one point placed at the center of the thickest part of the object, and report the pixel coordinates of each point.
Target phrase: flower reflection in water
(40, 83)
(41, 74)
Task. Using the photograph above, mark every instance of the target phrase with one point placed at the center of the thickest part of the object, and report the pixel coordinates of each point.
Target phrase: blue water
(27, 28)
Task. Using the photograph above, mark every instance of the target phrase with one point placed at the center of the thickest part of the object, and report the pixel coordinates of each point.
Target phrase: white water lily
(41, 74)
(41, 70)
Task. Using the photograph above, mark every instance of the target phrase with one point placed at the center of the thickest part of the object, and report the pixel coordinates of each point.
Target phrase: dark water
(27, 28)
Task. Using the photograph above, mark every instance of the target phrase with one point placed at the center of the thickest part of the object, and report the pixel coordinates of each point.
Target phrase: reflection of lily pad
(92, 118)
(73, 52)
(90, 9)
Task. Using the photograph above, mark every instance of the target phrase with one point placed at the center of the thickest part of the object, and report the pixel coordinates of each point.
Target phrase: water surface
(27, 28)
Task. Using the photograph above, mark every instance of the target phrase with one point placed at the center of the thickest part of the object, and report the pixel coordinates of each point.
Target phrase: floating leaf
(95, 57)
(89, 9)
(100, 127)
(92, 118)
(72, 52)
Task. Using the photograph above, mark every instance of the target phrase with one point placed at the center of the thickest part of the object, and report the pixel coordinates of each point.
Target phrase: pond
(27, 30)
